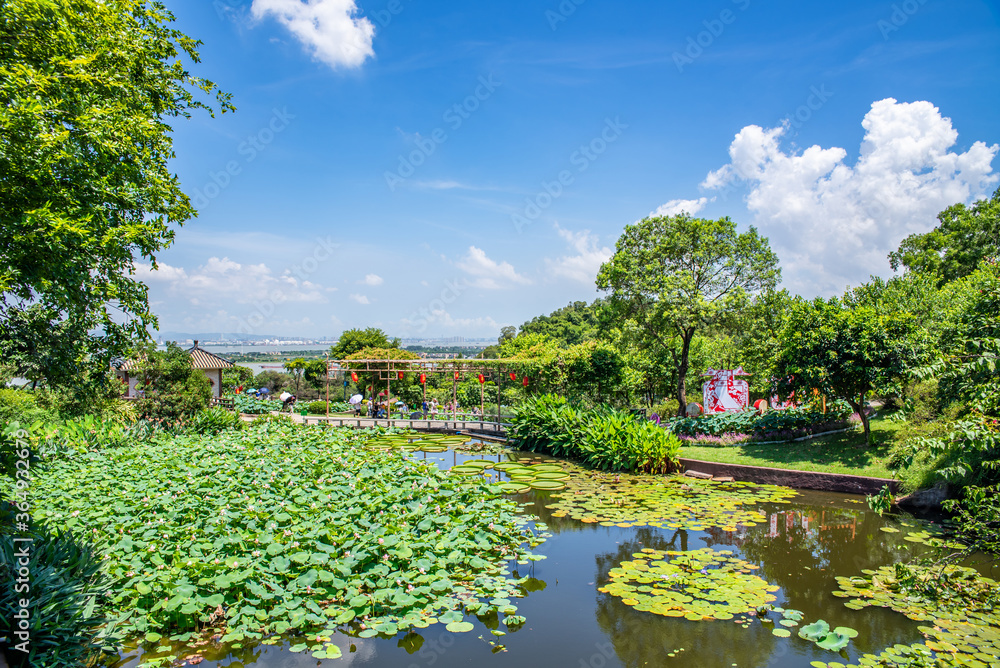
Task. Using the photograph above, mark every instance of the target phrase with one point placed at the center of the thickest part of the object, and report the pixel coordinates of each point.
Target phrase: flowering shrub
(769, 426)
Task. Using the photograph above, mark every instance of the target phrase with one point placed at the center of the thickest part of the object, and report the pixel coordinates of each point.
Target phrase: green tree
(848, 348)
(964, 237)
(674, 276)
(568, 326)
(171, 388)
(354, 340)
(296, 368)
(87, 90)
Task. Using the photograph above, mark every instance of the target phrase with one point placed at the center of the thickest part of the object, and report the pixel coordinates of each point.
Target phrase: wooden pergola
(389, 370)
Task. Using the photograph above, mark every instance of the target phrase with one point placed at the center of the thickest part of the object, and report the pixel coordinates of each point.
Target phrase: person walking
(287, 400)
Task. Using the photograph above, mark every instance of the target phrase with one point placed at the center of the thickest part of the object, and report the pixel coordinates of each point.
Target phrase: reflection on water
(801, 547)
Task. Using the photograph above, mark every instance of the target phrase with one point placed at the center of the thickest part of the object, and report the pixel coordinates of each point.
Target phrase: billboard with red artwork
(726, 391)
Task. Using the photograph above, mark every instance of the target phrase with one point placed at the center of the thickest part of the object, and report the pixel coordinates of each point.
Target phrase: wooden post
(482, 398)
(454, 397)
(499, 385)
(328, 384)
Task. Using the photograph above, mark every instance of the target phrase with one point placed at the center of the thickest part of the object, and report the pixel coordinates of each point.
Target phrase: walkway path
(444, 426)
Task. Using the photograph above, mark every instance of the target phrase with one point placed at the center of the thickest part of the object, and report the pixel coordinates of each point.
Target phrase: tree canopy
(848, 348)
(964, 237)
(87, 89)
(355, 340)
(673, 276)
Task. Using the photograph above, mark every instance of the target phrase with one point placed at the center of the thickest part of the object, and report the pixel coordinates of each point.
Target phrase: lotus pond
(295, 546)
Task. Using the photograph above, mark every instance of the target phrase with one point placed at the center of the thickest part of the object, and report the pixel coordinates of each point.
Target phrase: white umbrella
(356, 399)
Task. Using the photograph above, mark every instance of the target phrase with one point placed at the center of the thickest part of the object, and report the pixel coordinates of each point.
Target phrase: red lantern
(513, 376)
(456, 375)
(423, 378)
(354, 377)
(525, 381)
(399, 375)
(482, 379)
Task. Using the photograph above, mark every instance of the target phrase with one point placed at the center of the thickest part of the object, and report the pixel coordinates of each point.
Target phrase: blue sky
(444, 169)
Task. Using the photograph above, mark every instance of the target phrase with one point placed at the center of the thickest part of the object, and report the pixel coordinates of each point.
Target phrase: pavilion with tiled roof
(208, 363)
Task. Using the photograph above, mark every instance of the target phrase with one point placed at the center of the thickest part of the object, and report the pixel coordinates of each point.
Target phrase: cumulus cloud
(678, 206)
(374, 280)
(584, 265)
(329, 29)
(489, 274)
(832, 223)
(223, 281)
(361, 299)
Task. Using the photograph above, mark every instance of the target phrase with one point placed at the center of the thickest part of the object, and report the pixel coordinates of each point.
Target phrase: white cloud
(223, 281)
(833, 224)
(361, 299)
(490, 275)
(374, 280)
(329, 29)
(676, 207)
(583, 266)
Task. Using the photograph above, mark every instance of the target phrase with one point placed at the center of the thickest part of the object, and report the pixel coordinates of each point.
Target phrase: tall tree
(355, 340)
(86, 90)
(849, 348)
(964, 237)
(676, 275)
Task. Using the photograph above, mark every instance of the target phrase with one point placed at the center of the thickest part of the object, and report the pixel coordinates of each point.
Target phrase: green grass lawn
(840, 453)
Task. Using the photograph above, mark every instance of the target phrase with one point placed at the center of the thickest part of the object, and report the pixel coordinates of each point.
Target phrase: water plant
(697, 585)
(673, 502)
(280, 529)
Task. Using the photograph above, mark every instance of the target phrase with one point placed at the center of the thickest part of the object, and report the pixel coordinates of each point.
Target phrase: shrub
(21, 406)
(603, 438)
(214, 421)
(318, 408)
(172, 389)
(771, 425)
(67, 588)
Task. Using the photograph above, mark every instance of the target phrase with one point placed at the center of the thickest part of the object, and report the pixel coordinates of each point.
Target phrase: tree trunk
(682, 370)
(859, 408)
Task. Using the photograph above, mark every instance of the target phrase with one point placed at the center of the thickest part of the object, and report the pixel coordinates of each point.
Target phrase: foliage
(234, 377)
(803, 421)
(967, 365)
(284, 529)
(319, 407)
(977, 519)
(354, 341)
(602, 438)
(698, 585)
(675, 276)
(68, 586)
(573, 324)
(964, 237)
(848, 348)
(87, 90)
(171, 388)
(213, 421)
(274, 381)
(20, 406)
(253, 406)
